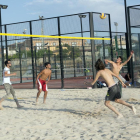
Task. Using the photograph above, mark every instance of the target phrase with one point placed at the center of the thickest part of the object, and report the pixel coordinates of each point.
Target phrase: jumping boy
(42, 83)
(113, 93)
(117, 66)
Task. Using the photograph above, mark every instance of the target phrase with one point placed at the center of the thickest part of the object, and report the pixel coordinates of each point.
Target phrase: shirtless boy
(116, 67)
(42, 83)
(113, 93)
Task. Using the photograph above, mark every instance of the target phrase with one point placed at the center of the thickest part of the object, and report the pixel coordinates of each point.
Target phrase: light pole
(83, 16)
(116, 24)
(42, 30)
(24, 32)
(116, 43)
(2, 7)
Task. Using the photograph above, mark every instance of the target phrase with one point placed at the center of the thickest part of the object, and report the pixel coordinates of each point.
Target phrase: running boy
(8, 85)
(113, 93)
(42, 83)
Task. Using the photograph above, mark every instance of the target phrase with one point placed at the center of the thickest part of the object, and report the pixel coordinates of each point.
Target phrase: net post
(35, 60)
(6, 42)
(130, 44)
(2, 47)
(49, 53)
(139, 43)
(32, 55)
(84, 62)
(92, 46)
(103, 43)
(61, 55)
(110, 32)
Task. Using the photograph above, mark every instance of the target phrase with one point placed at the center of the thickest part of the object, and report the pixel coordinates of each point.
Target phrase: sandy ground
(69, 115)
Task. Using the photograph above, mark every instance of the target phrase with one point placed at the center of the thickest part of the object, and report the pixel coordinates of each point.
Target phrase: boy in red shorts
(42, 83)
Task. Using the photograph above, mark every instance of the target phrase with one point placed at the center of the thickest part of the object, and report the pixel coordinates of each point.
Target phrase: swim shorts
(113, 93)
(42, 85)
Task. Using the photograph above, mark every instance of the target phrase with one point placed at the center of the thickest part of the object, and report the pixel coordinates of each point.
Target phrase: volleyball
(102, 16)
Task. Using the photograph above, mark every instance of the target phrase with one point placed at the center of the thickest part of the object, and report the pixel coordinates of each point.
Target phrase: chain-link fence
(134, 36)
(72, 60)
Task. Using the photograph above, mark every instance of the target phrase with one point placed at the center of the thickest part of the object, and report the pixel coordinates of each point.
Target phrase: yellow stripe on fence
(46, 36)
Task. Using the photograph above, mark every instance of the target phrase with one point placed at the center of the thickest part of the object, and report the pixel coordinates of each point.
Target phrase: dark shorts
(113, 93)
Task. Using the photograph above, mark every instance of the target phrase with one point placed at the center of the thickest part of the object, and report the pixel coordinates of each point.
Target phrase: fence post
(6, 42)
(103, 48)
(55, 66)
(92, 46)
(32, 54)
(20, 63)
(130, 43)
(73, 60)
(35, 60)
(110, 37)
(2, 47)
(61, 55)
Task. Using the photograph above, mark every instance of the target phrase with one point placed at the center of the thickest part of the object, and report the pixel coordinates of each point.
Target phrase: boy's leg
(14, 96)
(45, 96)
(126, 104)
(7, 89)
(38, 94)
(107, 103)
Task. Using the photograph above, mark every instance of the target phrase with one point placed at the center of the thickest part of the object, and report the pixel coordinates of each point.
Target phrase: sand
(69, 115)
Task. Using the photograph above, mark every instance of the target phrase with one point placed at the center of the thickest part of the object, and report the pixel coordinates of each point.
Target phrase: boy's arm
(49, 77)
(132, 52)
(38, 76)
(108, 61)
(118, 78)
(96, 78)
(6, 74)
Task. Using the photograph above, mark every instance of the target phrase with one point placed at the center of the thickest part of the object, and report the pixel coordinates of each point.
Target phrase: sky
(26, 10)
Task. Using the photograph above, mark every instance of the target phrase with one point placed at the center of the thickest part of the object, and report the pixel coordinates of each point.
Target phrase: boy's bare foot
(134, 110)
(36, 103)
(1, 108)
(44, 103)
(19, 106)
(120, 116)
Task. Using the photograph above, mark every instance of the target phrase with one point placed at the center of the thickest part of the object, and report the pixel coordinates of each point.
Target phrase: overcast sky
(25, 10)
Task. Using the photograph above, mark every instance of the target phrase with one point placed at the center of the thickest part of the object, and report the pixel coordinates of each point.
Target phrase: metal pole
(35, 60)
(92, 46)
(49, 53)
(20, 63)
(103, 48)
(2, 47)
(31, 42)
(127, 52)
(121, 51)
(73, 60)
(127, 36)
(55, 66)
(126, 16)
(130, 43)
(139, 44)
(61, 55)
(110, 37)
(6, 42)
(83, 47)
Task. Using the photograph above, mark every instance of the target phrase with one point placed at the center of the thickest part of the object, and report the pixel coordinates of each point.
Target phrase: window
(74, 43)
(38, 44)
(54, 43)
